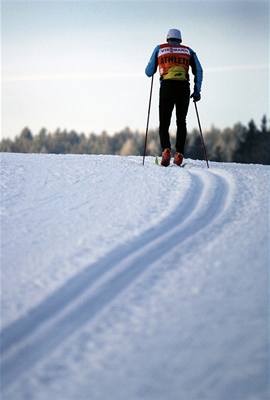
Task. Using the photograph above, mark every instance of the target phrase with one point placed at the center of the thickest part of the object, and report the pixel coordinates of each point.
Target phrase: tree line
(240, 143)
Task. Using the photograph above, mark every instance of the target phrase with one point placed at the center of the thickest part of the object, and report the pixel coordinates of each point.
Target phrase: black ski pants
(173, 93)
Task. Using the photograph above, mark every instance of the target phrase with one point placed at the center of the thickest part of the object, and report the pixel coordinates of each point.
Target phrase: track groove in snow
(26, 341)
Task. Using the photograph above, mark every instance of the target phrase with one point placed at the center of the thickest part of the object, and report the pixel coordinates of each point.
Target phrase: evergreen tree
(23, 142)
(239, 143)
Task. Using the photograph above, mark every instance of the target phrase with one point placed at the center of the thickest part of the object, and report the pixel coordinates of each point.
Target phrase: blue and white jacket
(174, 60)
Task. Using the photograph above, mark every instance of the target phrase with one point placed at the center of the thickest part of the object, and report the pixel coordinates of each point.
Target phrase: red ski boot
(178, 158)
(166, 157)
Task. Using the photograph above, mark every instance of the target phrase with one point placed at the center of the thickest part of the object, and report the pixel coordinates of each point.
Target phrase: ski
(157, 162)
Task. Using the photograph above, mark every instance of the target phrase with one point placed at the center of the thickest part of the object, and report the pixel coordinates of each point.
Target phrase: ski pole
(202, 141)
(149, 107)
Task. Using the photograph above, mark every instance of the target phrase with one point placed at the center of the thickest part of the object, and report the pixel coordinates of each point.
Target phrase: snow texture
(127, 282)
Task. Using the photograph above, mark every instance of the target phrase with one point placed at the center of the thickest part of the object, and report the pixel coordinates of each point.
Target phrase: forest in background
(240, 143)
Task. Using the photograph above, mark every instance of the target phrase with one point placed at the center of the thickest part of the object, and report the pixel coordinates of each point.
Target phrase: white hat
(174, 34)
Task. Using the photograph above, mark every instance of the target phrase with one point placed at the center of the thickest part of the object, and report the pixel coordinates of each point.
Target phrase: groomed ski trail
(31, 338)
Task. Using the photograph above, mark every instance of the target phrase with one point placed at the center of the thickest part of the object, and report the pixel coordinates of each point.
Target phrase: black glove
(196, 96)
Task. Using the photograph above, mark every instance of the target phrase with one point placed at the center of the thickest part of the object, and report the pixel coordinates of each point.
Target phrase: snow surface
(127, 282)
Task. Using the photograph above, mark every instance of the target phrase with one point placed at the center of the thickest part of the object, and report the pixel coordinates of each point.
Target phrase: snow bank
(129, 282)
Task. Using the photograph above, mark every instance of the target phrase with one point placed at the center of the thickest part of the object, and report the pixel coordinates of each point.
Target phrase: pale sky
(80, 64)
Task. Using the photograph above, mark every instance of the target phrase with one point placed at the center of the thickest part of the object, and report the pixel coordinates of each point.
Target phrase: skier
(174, 60)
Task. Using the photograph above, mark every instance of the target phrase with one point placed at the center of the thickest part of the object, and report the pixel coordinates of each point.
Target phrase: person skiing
(174, 60)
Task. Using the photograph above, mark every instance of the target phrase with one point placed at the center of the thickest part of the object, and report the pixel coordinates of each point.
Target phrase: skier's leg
(182, 103)
(166, 104)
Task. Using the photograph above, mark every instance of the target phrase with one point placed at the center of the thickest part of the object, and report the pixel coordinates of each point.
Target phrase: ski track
(31, 338)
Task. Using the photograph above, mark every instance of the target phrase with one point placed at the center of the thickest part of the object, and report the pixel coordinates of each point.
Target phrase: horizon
(57, 55)
(134, 131)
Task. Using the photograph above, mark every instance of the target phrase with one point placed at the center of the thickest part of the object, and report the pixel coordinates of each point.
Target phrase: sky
(80, 64)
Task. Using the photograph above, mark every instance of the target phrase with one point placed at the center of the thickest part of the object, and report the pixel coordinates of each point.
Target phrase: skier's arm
(197, 72)
(152, 65)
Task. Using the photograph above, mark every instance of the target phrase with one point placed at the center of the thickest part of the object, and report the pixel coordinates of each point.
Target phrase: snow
(127, 282)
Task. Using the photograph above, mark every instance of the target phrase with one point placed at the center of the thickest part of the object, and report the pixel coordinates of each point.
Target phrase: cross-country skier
(174, 60)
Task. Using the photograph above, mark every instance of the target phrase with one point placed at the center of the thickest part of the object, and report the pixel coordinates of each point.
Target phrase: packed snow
(128, 282)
